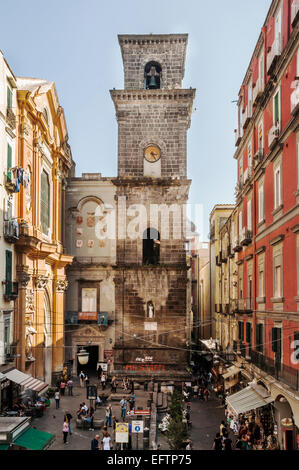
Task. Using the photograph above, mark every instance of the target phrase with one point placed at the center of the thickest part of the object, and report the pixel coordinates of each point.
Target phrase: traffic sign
(137, 426)
(139, 413)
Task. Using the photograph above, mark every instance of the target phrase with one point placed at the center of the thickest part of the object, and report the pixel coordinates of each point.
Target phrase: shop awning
(250, 398)
(26, 381)
(233, 370)
(33, 439)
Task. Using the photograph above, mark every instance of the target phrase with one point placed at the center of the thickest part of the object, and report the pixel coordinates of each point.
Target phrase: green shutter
(9, 161)
(276, 108)
(9, 98)
(8, 265)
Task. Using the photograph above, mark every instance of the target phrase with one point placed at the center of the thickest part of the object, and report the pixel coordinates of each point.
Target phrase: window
(9, 97)
(89, 299)
(249, 215)
(261, 70)
(45, 203)
(277, 282)
(249, 157)
(261, 135)
(248, 333)
(276, 108)
(9, 161)
(241, 330)
(152, 76)
(8, 272)
(151, 246)
(261, 203)
(277, 187)
(276, 344)
(259, 337)
(240, 224)
(261, 280)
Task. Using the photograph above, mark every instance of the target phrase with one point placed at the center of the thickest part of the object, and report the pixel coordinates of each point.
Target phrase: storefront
(231, 379)
(253, 406)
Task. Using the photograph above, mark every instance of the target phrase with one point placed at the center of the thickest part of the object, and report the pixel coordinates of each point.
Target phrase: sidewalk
(52, 420)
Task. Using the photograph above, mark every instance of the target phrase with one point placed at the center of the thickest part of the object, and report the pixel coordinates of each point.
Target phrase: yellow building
(43, 163)
(218, 218)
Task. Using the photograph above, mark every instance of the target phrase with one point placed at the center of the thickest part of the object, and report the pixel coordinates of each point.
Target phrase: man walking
(70, 387)
(81, 377)
(95, 445)
(57, 398)
(123, 404)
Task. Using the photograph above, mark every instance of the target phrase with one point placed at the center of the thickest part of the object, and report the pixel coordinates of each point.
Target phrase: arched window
(45, 203)
(151, 246)
(152, 76)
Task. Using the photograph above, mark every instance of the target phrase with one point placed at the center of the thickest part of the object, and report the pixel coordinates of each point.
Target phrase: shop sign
(150, 326)
(87, 315)
(122, 432)
(145, 367)
(144, 359)
(138, 413)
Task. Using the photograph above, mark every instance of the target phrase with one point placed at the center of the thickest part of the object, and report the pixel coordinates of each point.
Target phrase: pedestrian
(132, 386)
(99, 371)
(98, 402)
(113, 384)
(227, 442)
(109, 415)
(106, 441)
(189, 445)
(123, 404)
(65, 430)
(217, 444)
(195, 391)
(222, 428)
(95, 445)
(68, 417)
(91, 416)
(57, 398)
(86, 380)
(62, 387)
(81, 377)
(70, 387)
(206, 394)
(103, 381)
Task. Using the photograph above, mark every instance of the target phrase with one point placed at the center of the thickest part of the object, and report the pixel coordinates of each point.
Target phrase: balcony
(295, 12)
(273, 55)
(246, 116)
(257, 91)
(245, 305)
(286, 374)
(295, 100)
(237, 246)
(9, 185)
(11, 290)
(11, 118)
(259, 156)
(238, 137)
(246, 238)
(273, 135)
(11, 231)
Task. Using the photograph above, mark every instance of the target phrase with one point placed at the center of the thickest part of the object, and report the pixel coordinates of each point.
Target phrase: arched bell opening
(152, 76)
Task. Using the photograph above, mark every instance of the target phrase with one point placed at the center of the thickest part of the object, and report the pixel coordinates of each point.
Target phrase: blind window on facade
(45, 203)
(261, 203)
(277, 187)
(89, 299)
(277, 282)
(261, 283)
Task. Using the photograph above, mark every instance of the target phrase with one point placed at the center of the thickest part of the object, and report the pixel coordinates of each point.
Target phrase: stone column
(41, 281)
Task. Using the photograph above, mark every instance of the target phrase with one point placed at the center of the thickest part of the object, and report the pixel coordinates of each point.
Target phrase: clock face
(152, 153)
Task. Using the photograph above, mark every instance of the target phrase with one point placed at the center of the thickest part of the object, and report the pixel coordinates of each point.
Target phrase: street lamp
(83, 357)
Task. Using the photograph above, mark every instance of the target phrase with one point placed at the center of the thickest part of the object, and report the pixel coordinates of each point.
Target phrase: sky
(74, 43)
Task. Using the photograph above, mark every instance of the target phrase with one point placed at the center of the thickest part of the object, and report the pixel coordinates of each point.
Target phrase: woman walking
(65, 431)
(57, 398)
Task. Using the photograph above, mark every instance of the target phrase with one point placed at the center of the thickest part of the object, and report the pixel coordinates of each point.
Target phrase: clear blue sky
(74, 43)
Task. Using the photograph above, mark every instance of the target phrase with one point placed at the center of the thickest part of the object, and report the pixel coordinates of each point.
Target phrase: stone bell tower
(153, 114)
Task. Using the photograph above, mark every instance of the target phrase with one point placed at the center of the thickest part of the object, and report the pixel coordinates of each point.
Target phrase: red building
(267, 236)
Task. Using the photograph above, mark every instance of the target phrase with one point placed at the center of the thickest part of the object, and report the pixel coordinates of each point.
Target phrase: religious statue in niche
(150, 309)
(79, 219)
(79, 231)
(30, 331)
(102, 243)
(90, 220)
(90, 243)
(79, 243)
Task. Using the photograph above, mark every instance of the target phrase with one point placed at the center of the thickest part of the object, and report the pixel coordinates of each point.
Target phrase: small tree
(177, 432)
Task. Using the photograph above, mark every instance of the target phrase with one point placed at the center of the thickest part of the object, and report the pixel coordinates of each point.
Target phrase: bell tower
(153, 114)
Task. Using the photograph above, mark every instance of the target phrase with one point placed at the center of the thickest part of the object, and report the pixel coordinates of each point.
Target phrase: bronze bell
(153, 82)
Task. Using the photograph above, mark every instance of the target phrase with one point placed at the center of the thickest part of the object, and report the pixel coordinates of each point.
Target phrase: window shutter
(276, 108)
(9, 161)
(9, 98)
(8, 265)
(255, 70)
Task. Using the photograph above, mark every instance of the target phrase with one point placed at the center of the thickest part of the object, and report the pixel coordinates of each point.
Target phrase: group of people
(86, 415)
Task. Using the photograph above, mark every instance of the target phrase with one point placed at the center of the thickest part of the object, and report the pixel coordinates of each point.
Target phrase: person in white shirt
(106, 442)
